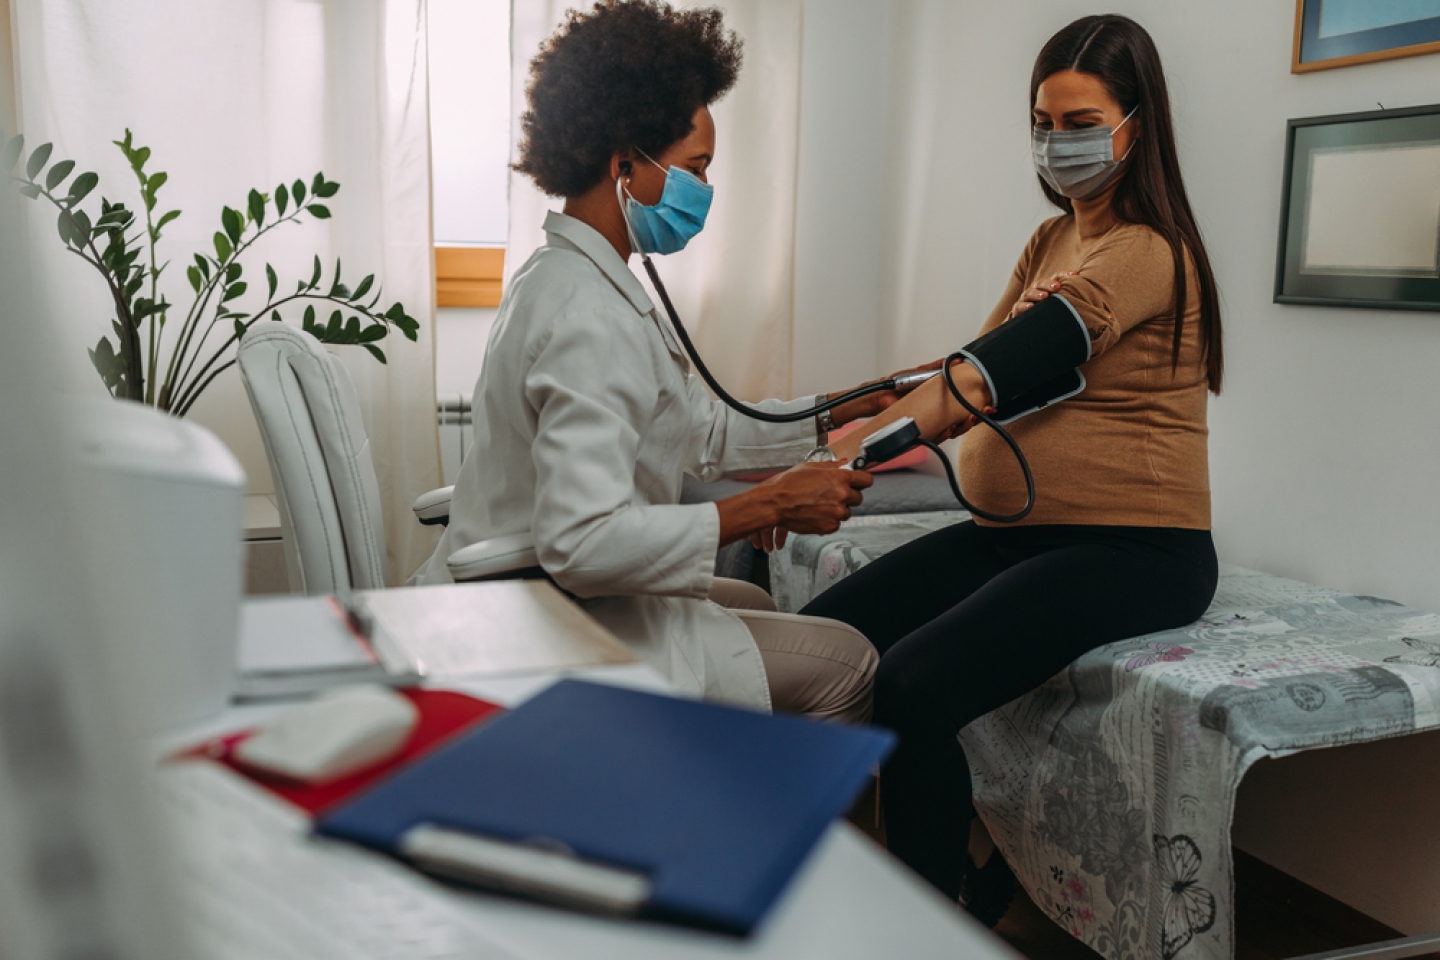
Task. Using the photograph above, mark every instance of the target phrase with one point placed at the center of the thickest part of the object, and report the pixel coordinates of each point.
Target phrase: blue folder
(705, 811)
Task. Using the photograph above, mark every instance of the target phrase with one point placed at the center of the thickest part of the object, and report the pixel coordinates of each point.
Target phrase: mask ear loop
(1117, 130)
(621, 194)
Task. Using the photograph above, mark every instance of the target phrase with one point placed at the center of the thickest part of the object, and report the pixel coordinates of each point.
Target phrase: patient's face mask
(1078, 164)
(673, 222)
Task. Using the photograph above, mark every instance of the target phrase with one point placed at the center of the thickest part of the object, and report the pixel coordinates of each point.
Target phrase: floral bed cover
(1111, 788)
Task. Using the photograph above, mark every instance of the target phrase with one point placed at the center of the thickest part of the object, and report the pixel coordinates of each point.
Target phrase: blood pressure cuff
(1032, 361)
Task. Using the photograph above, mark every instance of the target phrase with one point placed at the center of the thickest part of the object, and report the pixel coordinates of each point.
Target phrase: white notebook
(291, 646)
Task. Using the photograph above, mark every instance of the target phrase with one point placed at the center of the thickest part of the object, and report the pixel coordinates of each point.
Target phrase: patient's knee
(906, 702)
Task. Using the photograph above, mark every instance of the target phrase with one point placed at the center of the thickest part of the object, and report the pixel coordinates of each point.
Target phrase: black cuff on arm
(1042, 346)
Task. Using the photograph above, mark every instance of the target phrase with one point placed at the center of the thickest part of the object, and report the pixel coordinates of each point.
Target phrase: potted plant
(121, 245)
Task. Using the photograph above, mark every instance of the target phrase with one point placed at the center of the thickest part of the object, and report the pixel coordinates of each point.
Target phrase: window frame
(468, 276)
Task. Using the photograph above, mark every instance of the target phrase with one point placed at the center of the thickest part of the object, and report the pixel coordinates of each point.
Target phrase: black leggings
(968, 618)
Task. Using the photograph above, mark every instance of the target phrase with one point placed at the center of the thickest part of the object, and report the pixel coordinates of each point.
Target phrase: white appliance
(168, 555)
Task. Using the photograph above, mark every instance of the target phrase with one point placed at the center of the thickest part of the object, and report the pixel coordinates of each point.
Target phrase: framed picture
(1338, 33)
(1360, 214)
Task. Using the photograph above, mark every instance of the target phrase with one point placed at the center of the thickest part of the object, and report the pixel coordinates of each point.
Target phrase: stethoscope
(883, 445)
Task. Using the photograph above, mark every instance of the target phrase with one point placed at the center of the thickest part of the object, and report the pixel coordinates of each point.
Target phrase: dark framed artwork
(1360, 213)
(1339, 33)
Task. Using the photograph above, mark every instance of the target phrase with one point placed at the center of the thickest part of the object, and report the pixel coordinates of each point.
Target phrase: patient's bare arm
(934, 410)
(808, 498)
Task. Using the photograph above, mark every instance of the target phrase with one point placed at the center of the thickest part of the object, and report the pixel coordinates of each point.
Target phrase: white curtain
(235, 94)
(734, 284)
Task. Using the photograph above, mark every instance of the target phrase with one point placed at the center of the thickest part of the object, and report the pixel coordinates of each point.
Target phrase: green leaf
(222, 247)
(135, 284)
(364, 287)
(316, 183)
(31, 190)
(113, 217)
(275, 315)
(297, 190)
(282, 200)
(58, 173)
(151, 187)
(333, 328)
(326, 189)
(194, 276)
(271, 280)
(38, 159)
(376, 331)
(164, 219)
(375, 351)
(233, 291)
(232, 272)
(315, 277)
(81, 186)
(396, 311)
(203, 265)
(82, 225)
(11, 153)
(308, 323)
(319, 211)
(257, 207)
(65, 226)
(230, 219)
(352, 330)
(239, 329)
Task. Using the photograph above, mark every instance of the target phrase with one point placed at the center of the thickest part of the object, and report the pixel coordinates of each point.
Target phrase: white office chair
(325, 485)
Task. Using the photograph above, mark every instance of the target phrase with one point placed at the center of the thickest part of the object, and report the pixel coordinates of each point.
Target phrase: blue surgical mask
(1078, 164)
(673, 222)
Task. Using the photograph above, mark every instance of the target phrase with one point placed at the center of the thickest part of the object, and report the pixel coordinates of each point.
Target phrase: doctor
(586, 415)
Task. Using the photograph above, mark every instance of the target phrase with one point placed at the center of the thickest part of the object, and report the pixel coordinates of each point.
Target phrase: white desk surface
(262, 517)
(850, 899)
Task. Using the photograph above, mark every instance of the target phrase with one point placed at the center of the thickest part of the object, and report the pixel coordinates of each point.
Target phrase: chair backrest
(325, 484)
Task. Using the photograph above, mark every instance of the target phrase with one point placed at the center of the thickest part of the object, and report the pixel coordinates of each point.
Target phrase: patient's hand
(1039, 292)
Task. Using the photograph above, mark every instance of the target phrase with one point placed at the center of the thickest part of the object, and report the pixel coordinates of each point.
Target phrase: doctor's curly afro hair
(627, 73)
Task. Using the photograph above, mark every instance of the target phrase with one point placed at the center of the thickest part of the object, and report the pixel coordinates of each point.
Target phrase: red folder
(443, 714)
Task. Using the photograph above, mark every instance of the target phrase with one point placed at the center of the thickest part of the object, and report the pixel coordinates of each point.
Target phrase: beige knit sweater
(1131, 449)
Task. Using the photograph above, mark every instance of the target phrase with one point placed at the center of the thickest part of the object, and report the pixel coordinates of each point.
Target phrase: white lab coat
(586, 418)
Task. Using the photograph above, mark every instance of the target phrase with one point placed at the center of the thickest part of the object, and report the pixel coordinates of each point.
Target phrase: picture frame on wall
(1341, 33)
(1360, 211)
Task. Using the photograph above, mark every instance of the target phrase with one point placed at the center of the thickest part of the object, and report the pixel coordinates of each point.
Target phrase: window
(470, 147)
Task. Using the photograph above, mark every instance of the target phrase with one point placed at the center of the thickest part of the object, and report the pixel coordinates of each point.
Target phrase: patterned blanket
(1111, 788)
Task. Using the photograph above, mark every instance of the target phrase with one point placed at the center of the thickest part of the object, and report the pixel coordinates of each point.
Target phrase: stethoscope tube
(888, 384)
(725, 398)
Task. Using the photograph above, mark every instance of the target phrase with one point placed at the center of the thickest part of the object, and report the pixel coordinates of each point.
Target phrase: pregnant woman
(1118, 543)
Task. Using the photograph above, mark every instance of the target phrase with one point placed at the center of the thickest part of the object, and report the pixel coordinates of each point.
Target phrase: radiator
(457, 433)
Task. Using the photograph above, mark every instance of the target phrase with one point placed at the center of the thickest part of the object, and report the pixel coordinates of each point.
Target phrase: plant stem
(185, 408)
(174, 385)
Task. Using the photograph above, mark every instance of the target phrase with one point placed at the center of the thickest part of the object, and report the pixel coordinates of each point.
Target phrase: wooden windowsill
(468, 276)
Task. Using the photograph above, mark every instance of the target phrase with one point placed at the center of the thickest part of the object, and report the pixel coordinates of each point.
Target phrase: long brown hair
(1117, 51)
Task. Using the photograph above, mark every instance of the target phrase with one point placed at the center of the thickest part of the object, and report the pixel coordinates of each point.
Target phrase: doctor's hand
(807, 498)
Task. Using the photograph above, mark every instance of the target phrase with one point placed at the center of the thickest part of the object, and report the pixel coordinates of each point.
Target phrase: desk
(264, 549)
(850, 899)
